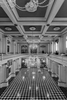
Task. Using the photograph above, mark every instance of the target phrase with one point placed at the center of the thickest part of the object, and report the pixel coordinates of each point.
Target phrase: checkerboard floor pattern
(30, 85)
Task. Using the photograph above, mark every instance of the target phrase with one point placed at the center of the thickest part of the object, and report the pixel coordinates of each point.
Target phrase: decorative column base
(11, 75)
(17, 70)
(62, 84)
(3, 84)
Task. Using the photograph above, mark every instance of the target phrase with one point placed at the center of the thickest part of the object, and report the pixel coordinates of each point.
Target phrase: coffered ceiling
(41, 25)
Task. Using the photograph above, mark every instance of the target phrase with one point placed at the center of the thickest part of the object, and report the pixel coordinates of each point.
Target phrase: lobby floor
(33, 84)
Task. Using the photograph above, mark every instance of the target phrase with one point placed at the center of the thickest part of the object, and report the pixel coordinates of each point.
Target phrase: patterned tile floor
(33, 84)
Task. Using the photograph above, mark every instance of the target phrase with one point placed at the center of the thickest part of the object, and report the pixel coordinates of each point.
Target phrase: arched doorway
(33, 48)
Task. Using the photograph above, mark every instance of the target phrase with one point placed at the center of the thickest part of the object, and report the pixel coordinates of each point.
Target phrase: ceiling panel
(2, 13)
(39, 13)
(9, 28)
(56, 28)
(63, 10)
(32, 28)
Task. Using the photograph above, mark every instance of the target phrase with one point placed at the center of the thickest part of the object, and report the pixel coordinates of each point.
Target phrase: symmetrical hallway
(33, 84)
(33, 49)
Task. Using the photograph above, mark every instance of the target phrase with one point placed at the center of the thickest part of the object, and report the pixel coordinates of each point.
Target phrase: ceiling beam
(49, 8)
(32, 23)
(55, 9)
(14, 34)
(53, 32)
(6, 23)
(8, 11)
(59, 23)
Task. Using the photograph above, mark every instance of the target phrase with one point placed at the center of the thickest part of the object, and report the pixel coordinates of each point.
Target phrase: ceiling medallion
(31, 6)
(8, 28)
(56, 28)
(32, 28)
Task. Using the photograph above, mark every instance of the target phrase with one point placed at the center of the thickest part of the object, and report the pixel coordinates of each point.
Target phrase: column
(48, 48)
(62, 76)
(54, 69)
(17, 65)
(29, 49)
(10, 65)
(49, 65)
(3, 76)
(66, 74)
(14, 48)
(12, 69)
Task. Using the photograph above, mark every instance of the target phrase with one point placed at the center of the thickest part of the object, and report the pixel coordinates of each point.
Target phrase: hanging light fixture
(30, 6)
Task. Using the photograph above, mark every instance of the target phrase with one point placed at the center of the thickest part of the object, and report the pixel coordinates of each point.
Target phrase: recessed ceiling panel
(56, 28)
(40, 12)
(63, 10)
(8, 28)
(2, 13)
(32, 28)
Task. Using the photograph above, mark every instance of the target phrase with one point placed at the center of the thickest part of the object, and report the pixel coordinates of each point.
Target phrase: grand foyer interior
(33, 49)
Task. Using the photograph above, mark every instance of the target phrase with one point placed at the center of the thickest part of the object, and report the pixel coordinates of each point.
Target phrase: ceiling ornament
(56, 28)
(31, 6)
(8, 28)
(32, 28)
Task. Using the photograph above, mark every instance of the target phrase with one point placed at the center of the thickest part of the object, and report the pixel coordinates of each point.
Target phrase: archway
(33, 48)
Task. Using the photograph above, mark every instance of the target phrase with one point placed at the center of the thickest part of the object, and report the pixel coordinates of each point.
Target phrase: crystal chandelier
(31, 6)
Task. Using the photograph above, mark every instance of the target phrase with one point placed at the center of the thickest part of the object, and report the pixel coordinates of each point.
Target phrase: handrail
(59, 59)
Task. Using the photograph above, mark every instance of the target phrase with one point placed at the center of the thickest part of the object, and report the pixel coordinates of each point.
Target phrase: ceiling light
(41, 72)
(56, 28)
(44, 61)
(48, 95)
(37, 88)
(33, 77)
(18, 95)
(23, 77)
(23, 61)
(25, 72)
(30, 6)
(8, 28)
(33, 72)
(44, 77)
(32, 28)
(29, 87)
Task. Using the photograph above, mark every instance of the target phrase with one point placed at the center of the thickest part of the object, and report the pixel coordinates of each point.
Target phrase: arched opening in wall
(33, 48)
(24, 49)
(8, 49)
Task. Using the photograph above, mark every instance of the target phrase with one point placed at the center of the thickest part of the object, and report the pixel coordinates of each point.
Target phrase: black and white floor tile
(33, 84)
